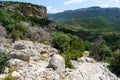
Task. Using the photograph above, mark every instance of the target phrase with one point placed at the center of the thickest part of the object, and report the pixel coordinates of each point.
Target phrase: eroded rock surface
(43, 63)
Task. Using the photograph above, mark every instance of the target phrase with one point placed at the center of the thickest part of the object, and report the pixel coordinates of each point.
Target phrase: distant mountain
(87, 13)
(102, 19)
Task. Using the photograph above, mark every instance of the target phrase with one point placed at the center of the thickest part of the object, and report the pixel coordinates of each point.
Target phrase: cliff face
(32, 11)
(25, 8)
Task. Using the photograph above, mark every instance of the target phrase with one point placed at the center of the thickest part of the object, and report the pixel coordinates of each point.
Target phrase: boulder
(38, 34)
(15, 74)
(86, 53)
(19, 45)
(22, 55)
(2, 48)
(86, 59)
(57, 62)
(6, 70)
(2, 31)
(16, 62)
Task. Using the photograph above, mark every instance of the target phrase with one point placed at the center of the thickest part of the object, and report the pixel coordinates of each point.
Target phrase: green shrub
(115, 63)
(19, 32)
(46, 42)
(9, 77)
(61, 42)
(5, 18)
(37, 20)
(68, 63)
(72, 55)
(77, 44)
(3, 61)
(75, 54)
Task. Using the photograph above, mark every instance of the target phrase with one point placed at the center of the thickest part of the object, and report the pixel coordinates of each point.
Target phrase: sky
(54, 6)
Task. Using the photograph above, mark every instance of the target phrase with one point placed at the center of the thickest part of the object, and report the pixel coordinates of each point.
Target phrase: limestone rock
(27, 9)
(89, 71)
(16, 62)
(38, 34)
(15, 74)
(86, 53)
(6, 70)
(2, 31)
(19, 45)
(22, 55)
(33, 11)
(86, 59)
(57, 62)
(52, 67)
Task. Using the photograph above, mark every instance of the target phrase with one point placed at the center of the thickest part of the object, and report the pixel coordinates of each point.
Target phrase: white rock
(89, 71)
(22, 55)
(57, 62)
(6, 70)
(16, 62)
(19, 45)
(15, 74)
(86, 53)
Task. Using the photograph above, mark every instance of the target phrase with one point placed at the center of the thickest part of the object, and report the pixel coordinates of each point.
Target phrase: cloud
(50, 9)
(73, 1)
(107, 3)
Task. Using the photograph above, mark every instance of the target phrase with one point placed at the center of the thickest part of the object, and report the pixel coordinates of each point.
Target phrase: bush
(77, 44)
(9, 77)
(39, 21)
(68, 63)
(5, 18)
(61, 42)
(72, 55)
(18, 32)
(115, 63)
(75, 54)
(3, 61)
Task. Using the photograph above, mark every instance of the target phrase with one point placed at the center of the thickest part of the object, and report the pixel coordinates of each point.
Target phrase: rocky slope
(37, 61)
(25, 8)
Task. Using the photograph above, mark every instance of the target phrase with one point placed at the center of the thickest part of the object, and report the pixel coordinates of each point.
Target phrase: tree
(100, 50)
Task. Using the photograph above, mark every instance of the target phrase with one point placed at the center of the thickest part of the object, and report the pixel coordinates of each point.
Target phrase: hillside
(23, 20)
(34, 47)
(103, 19)
(86, 13)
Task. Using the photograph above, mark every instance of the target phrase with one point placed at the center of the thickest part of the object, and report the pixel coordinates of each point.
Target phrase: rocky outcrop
(26, 50)
(51, 66)
(90, 71)
(25, 8)
(33, 11)
(38, 34)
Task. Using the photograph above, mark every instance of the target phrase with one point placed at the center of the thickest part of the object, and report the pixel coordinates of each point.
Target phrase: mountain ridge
(94, 9)
(92, 17)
